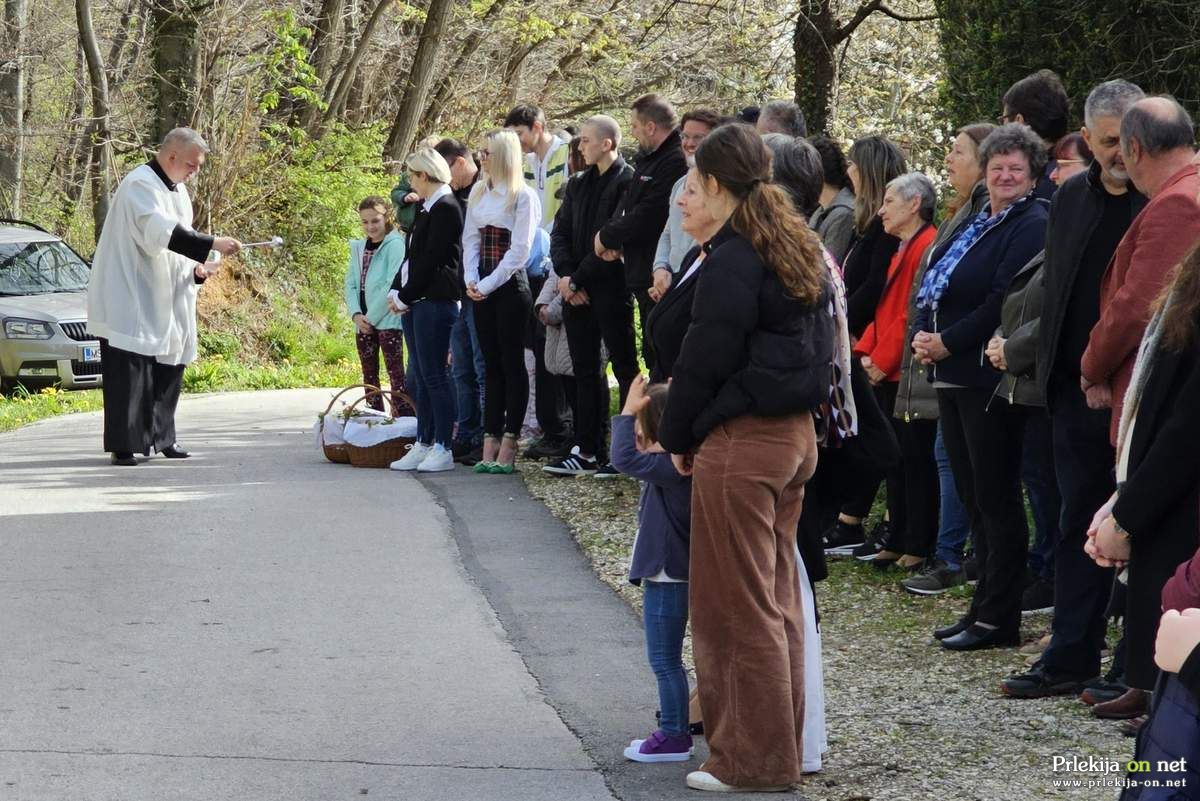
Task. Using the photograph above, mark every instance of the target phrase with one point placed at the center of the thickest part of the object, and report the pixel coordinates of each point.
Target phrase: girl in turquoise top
(374, 262)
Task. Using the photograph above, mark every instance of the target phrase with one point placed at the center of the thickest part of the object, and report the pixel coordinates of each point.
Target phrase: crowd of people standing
(811, 331)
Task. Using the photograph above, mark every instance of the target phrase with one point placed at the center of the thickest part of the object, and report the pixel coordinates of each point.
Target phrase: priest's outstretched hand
(227, 245)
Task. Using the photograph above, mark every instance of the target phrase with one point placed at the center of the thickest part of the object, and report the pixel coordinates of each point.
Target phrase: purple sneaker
(661, 747)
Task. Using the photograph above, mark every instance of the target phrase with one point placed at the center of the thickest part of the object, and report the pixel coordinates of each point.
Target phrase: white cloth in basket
(363, 432)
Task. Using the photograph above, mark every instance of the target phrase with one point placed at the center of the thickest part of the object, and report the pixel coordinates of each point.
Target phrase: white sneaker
(412, 460)
(438, 460)
(703, 780)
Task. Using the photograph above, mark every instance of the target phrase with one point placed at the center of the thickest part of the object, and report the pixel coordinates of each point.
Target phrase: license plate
(91, 354)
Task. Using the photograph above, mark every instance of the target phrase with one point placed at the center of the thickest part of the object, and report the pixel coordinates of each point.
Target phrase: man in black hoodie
(634, 229)
(597, 306)
(1088, 216)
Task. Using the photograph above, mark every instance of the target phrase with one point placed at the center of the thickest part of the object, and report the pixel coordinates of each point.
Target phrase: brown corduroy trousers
(744, 595)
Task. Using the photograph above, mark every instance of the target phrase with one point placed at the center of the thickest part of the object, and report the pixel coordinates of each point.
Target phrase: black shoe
(970, 567)
(606, 470)
(842, 539)
(459, 449)
(1038, 597)
(1037, 683)
(473, 458)
(573, 465)
(548, 448)
(876, 541)
(123, 459)
(954, 628)
(976, 638)
(174, 452)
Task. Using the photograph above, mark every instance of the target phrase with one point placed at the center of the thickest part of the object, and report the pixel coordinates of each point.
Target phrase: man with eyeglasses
(674, 243)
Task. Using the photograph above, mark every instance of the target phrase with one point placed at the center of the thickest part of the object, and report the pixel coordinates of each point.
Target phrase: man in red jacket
(1157, 137)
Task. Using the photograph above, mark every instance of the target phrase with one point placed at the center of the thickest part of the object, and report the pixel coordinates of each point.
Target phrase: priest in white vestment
(146, 273)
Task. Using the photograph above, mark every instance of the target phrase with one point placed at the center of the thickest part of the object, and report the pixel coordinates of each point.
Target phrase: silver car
(43, 311)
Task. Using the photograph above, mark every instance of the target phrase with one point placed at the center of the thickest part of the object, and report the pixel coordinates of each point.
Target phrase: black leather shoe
(175, 452)
(952, 629)
(123, 459)
(976, 638)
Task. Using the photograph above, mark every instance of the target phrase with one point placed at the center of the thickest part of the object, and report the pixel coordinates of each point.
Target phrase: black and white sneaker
(875, 543)
(573, 465)
(606, 470)
(842, 539)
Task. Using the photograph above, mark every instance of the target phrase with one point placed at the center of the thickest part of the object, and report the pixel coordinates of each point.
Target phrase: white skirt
(816, 742)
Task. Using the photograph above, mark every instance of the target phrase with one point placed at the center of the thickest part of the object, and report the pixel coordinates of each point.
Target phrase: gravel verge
(907, 720)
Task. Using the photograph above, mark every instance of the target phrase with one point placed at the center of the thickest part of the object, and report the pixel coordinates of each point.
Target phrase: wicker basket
(338, 453)
(383, 453)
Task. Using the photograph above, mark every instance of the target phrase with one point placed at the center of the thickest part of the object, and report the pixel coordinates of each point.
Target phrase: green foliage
(988, 45)
(23, 406)
(285, 65)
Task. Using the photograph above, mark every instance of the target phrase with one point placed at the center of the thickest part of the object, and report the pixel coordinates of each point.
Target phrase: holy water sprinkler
(273, 242)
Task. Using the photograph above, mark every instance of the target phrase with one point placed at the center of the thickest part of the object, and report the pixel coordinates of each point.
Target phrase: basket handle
(370, 394)
(332, 401)
(390, 396)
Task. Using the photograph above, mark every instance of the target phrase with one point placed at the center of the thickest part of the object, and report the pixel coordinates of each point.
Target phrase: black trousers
(645, 305)
(917, 480)
(549, 399)
(500, 320)
(1083, 464)
(607, 318)
(140, 396)
(984, 446)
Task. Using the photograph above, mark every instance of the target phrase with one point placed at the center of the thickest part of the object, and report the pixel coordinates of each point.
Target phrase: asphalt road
(256, 623)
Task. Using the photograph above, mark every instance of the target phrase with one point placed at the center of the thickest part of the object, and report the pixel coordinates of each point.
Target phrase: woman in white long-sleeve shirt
(502, 218)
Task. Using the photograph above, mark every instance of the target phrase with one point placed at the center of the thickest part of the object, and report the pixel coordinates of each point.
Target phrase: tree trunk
(325, 31)
(98, 127)
(175, 37)
(813, 45)
(420, 76)
(12, 105)
(433, 113)
(337, 100)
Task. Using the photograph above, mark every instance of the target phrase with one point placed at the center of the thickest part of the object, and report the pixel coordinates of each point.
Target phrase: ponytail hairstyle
(878, 161)
(506, 167)
(1182, 317)
(736, 157)
(381, 205)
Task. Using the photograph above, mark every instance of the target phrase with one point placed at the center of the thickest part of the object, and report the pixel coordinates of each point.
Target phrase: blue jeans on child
(665, 612)
(468, 372)
(955, 525)
(427, 328)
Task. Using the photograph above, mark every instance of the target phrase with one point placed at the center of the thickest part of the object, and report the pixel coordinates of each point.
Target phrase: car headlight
(20, 328)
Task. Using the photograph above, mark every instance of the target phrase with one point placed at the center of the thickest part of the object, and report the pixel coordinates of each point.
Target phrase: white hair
(180, 138)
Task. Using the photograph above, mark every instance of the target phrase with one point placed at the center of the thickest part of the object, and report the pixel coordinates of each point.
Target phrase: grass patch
(212, 373)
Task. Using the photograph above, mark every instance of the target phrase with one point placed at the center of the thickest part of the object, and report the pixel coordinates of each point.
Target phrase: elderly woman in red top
(912, 485)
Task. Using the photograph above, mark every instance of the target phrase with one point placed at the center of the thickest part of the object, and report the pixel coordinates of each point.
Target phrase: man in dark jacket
(638, 222)
(1040, 101)
(597, 305)
(1088, 217)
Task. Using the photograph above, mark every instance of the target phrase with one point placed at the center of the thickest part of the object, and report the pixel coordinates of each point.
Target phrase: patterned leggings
(391, 342)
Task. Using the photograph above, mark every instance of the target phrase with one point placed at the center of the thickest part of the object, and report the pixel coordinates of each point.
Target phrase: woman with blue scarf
(958, 308)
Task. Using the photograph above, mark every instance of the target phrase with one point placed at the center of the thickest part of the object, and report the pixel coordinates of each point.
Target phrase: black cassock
(140, 395)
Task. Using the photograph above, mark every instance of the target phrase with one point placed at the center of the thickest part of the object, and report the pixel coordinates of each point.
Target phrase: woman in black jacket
(1151, 521)
(671, 317)
(958, 309)
(753, 365)
(427, 290)
(873, 162)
